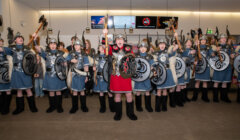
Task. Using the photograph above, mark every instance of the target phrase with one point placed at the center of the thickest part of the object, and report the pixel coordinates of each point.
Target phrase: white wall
(20, 13)
(71, 23)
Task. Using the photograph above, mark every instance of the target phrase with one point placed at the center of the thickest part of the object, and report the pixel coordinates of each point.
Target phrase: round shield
(180, 67)
(216, 64)
(105, 72)
(236, 63)
(201, 65)
(143, 70)
(159, 73)
(4, 72)
(127, 66)
(29, 63)
(61, 68)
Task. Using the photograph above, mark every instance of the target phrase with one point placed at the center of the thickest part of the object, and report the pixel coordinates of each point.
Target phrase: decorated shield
(29, 63)
(201, 65)
(143, 70)
(236, 63)
(180, 67)
(127, 66)
(61, 68)
(159, 73)
(4, 72)
(216, 64)
(105, 72)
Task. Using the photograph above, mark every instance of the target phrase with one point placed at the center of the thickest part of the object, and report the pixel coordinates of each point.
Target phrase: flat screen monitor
(146, 22)
(163, 22)
(97, 22)
(121, 21)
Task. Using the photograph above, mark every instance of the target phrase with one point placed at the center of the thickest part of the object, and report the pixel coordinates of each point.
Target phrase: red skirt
(120, 85)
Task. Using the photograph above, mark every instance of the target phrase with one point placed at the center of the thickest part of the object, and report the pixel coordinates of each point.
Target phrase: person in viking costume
(6, 68)
(166, 56)
(52, 82)
(188, 56)
(203, 77)
(19, 79)
(237, 51)
(143, 86)
(100, 85)
(224, 76)
(78, 76)
(118, 84)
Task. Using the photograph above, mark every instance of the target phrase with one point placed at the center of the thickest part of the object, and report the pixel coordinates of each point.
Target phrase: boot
(225, 95)
(6, 105)
(1, 102)
(52, 106)
(59, 104)
(158, 103)
(138, 100)
(83, 103)
(178, 99)
(118, 110)
(186, 95)
(111, 104)
(31, 103)
(164, 103)
(195, 94)
(130, 111)
(215, 95)
(102, 104)
(20, 105)
(222, 98)
(183, 95)
(205, 95)
(172, 102)
(74, 104)
(238, 95)
(148, 105)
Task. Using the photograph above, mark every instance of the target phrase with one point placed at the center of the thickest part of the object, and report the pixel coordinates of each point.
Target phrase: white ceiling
(183, 5)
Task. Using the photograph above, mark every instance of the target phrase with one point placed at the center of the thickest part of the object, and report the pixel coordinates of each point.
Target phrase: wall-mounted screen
(121, 21)
(146, 22)
(163, 22)
(97, 22)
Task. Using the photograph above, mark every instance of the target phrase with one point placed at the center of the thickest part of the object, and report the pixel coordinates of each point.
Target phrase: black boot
(186, 95)
(215, 95)
(102, 104)
(118, 110)
(111, 104)
(138, 100)
(172, 102)
(222, 98)
(158, 103)
(83, 103)
(74, 104)
(59, 104)
(178, 99)
(52, 106)
(7, 101)
(20, 105)
(130, 111)
(195, 94)
(238, 95)
(224, 92)
(164, 103)
(31, 103)
(1, 102)
(148, 105)
(205, 95)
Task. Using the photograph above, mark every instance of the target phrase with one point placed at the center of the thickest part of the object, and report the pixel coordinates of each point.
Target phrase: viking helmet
(222, 36)
(203, 37)
(120, 36)
(78, 42)
(52, 40)
(18, 34)
(144, 44)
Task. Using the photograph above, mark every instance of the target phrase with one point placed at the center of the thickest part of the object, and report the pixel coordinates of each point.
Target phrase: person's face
(143, 49)
(203, 42)
(19, 40)
(162, 46)
(53, 46)
(1, 43)
(87, 44)
(101, 49)
(77, 48)
(120, 42)
(188, 44)
(223, 40)
(61, 47)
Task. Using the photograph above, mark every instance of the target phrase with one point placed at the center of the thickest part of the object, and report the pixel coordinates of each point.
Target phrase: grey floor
(195, 121)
